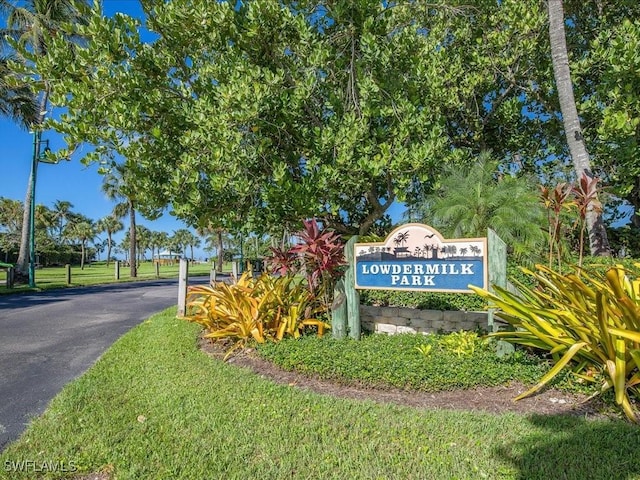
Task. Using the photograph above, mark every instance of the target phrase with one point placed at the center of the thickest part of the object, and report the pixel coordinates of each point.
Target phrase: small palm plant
(588, 322)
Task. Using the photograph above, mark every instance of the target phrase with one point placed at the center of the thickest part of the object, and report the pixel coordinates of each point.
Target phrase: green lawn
(155, 407)
(98, 272)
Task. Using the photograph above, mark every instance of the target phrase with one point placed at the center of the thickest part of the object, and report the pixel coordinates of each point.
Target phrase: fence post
(353, 296)
(183, 281)
(10, 277)
(212, 275)
(235, 269)
(67, 268)
(339, 311)
(117, 267)
(497, 265)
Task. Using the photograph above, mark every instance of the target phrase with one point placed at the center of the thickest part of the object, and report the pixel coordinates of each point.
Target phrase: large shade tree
(264, 113)
(261, 113)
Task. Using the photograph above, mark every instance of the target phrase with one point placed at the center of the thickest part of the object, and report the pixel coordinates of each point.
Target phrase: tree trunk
(82, 255)
(22, 265)
(598, 241)
(220, 251)
(108, 249)
(24, 254)
(132, 241)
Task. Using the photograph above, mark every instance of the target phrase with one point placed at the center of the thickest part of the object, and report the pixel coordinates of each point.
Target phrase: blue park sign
(416, 257)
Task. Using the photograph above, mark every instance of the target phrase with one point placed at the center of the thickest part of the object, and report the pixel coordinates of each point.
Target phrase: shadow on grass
(562, 447)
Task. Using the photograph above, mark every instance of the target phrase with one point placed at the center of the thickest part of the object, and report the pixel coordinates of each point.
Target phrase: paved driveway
(47, 339)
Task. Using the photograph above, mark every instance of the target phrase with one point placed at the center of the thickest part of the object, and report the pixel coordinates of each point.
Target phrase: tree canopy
(261, 113)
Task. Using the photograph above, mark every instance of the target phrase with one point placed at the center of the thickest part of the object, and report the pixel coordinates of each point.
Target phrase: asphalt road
(47, 339)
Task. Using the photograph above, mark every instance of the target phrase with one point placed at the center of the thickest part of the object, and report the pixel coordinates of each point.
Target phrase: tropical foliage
(334, 112)
(468, 201)
(65, 236)
(588, 322)
(260, 309)
(318, 256)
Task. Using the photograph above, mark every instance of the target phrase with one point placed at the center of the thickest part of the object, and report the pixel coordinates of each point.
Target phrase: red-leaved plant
(586, 197)
(319, 256)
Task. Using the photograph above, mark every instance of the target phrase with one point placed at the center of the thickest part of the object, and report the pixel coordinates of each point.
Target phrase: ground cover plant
(154, 406)
(409, 361)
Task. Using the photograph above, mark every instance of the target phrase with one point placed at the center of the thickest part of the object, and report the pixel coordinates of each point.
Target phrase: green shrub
(463, 343)
(423, 300)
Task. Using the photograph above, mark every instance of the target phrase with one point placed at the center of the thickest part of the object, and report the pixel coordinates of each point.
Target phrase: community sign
(417, 257)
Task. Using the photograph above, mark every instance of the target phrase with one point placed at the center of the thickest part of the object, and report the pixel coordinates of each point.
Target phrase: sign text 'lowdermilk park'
(417, 257)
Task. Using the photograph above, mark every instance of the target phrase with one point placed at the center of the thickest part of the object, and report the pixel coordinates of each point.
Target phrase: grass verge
(155, 407)
(98, 273)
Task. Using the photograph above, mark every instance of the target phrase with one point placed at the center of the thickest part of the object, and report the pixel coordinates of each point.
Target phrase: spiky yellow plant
(262, 308)
(587, 321)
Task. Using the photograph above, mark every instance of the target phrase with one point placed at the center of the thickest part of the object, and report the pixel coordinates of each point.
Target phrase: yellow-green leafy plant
(425, 349)
(588, 322)
(263, 308)
(462, 343)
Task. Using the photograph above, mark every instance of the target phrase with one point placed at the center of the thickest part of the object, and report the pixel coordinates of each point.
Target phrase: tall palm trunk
(24, 254)
(132, 241)
(220, 250)
(82, 254)
(108, 247)
(598, 241)
(22, 265)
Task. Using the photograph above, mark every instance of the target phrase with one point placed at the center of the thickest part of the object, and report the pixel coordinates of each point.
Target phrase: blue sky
(70, 181)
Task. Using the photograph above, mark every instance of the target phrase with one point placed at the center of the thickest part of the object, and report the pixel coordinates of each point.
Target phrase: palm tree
(61, 213)
(181, 239)
(474, 199)
(143, 238)
(118, 186)
(16, 103)
(598, 241)
(159, 240)
(193, 242)
(214, 241)
(30, 23)
(83, 232)
(110, 225)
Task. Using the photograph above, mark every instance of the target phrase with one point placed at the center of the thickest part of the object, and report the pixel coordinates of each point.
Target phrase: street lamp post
(37, 157)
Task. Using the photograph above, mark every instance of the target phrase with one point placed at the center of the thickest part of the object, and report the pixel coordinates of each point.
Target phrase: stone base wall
(393, 320)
